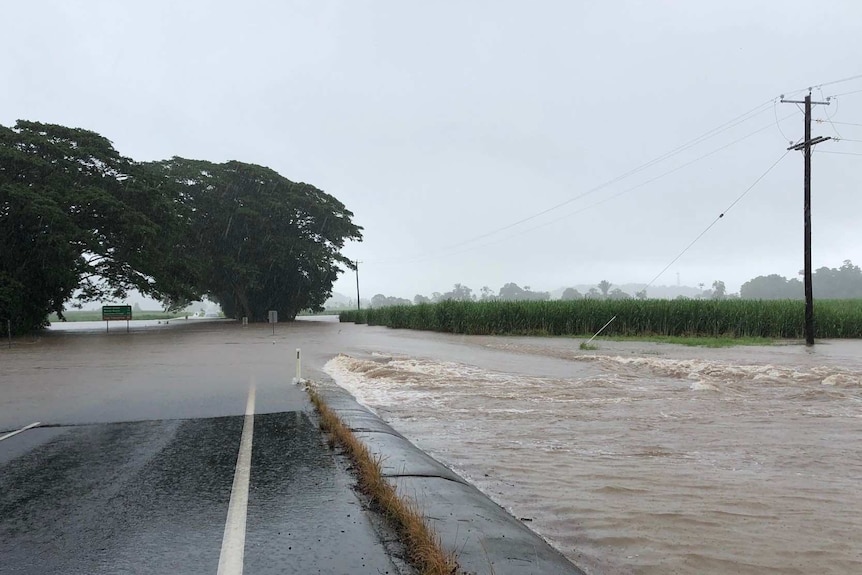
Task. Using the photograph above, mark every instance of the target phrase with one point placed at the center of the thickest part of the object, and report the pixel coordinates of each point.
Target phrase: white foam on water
(842, 380)
(648, 457)
(716, 372)
(702, 386)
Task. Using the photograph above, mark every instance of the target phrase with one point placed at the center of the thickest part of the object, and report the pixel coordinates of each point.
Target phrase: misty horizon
(549, 146)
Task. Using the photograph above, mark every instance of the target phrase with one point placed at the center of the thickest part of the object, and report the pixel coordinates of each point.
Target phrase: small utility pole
(358, 306)
(805, 146)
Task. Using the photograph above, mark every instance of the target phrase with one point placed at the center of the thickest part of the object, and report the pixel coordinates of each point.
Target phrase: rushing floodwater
(645, 458)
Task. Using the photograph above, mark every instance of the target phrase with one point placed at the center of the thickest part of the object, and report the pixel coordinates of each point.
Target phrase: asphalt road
(136, 464)
(187, 448)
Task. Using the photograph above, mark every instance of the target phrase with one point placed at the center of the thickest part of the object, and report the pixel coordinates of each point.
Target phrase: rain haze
(548, 144)
(486, 142)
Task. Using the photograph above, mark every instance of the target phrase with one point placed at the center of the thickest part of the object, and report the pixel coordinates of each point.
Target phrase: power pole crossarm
(805, 146)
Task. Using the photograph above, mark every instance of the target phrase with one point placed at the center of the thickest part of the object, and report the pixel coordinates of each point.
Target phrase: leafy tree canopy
(381, 300)
(571, 294)
(719, 291)
(617, 294)
(77, 217)
(74, 216)
(604, 286)
(459, 293)
(513, 292)
(268, 243)
(844, 282)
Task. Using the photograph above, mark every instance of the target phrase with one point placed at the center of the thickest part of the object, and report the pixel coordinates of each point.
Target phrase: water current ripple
(650, 464)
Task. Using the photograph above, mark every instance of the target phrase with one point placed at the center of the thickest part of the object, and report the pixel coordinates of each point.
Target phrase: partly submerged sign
(118, 312)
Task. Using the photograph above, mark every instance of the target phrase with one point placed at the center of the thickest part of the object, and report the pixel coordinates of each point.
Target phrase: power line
(820, 121)
(777, 123)
(721, 128)
(842, 153)
(715, 221)
(750, 114)
(449, 253)
(856, 77)
(695, 240)
(846, 93)
(828, 115)
(714, 132)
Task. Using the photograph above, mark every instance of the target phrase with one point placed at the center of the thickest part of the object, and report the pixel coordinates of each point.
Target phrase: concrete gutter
(484, 537)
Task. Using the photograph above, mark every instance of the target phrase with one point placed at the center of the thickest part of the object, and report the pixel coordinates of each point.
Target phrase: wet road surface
(133, 467)
(151, 497)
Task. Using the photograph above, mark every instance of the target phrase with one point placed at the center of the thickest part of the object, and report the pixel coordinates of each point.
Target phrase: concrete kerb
(485, 538)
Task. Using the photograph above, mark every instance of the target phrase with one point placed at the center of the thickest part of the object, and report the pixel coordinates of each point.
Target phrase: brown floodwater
(642, 458)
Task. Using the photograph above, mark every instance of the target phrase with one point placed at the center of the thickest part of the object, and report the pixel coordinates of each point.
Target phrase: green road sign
(118, 312)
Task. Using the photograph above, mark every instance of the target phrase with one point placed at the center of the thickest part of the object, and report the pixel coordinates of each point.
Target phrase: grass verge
(694, 341)
(424, 549)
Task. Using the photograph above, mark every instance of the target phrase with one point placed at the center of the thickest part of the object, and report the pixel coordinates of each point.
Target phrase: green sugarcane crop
(712, 318)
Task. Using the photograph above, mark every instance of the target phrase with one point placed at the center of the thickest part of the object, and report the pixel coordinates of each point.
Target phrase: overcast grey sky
(439, 122)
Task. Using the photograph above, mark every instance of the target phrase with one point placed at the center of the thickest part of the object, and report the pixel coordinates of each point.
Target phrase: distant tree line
(844, 282)
(79, 220)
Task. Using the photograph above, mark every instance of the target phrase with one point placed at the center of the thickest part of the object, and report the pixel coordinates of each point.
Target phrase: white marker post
(298, 379)
(273, 319)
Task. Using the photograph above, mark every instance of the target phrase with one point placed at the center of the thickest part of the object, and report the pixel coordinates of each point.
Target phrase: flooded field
(644, 458)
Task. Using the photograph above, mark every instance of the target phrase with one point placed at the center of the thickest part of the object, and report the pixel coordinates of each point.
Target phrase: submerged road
(184, 450)
(187, 448)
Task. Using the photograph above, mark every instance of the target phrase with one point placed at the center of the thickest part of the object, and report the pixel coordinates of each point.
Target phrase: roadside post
(9, 331)
(273, 319)
(116, 313)
(298, 379)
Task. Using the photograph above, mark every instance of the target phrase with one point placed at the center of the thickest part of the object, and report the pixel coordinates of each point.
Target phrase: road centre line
(25, 428)
(233, 543)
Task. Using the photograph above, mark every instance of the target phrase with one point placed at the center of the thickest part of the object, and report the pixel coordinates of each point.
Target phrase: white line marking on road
(25, 428)
(233, 543)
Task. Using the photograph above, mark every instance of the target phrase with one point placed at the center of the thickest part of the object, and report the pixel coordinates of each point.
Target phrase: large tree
(268, 243)
(74, 216)
(78, 219)
(772, 286)
(844, 282)
(604, 286)
(380, 300)
(459, 293)
(571, 294)
(513, 292)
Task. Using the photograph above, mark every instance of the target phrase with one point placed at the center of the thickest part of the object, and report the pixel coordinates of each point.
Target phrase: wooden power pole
(358, 306)
(806, 146)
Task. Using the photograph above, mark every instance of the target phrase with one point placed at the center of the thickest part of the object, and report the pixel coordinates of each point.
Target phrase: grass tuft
(424, 548)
